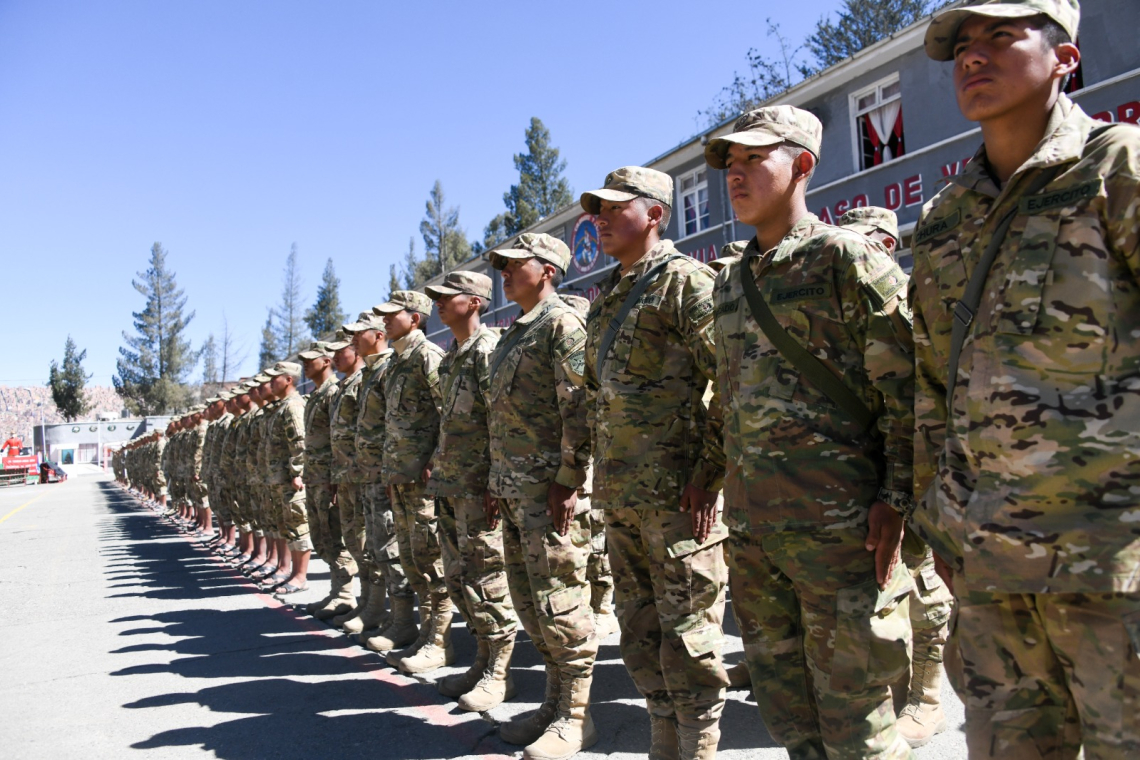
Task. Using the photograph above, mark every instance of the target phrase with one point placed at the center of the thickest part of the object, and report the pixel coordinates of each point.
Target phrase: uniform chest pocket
(785, 379)
(644, 335)
(504, 378)
(461, 399)
(1021, 301)
(395, 392)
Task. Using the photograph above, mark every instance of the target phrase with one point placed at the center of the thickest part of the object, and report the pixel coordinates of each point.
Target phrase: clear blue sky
(229, 130)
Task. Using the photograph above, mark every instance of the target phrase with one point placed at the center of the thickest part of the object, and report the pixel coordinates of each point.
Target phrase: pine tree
(153, 365)
(861, 23)
(289, 325)
(445, 242)
(393, 281)
(67, 383)
(411, 266)
(325, 315)
(766, 78)
(540, 192)
(267, 353)
(209, 362)
(232, 355)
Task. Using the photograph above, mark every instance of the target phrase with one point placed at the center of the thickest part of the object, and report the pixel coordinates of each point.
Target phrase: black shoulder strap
(809, 366)
(636, 292)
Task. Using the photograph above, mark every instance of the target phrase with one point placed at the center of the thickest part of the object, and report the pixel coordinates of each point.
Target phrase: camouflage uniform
(538, 436)
(1030, 465)
(823, 642)
(654, 434)
(199, 496)
(324, 523)
(347, 478)
(285, 453)
(411, 391)
(472, 550)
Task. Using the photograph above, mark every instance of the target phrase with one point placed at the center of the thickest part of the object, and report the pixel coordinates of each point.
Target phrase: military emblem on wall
(584, 243)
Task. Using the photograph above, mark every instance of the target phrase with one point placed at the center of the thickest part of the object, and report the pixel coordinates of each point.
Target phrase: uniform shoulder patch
(885, 284)
(576, 338)
(577, 362)
(700, 310)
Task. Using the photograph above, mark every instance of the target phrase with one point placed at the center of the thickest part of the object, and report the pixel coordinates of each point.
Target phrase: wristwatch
(901, 501)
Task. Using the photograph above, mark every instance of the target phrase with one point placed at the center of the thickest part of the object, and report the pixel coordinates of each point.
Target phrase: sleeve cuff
(707, 477)
(570, 477)
(901, 501)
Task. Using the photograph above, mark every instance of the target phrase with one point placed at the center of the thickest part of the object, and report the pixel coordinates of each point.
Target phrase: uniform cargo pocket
(571, 618)
(872, 633)
(702, 640)
(495, 587)
(563, 555)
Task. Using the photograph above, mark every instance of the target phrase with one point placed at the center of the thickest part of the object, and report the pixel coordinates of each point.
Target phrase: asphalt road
(119, 637)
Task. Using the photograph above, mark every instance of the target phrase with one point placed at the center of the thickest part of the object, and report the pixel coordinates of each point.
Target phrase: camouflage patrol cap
(942, 32)
(262, 378)
(404, 300)
(292, 369)
(316, 350)
(454, 283)
(340, 341)
(533, 245)
(627, 183)
(868, 219)
(580, 304)
(366, 320)
(770, 125)
(728, 254)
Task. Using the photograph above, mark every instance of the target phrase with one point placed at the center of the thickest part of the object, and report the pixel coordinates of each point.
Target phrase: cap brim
(718, 147)
(942, 32)
(500, 257)
(388, 308)
(334, 347)
(311, 355)
(592, 200)
(438, 291)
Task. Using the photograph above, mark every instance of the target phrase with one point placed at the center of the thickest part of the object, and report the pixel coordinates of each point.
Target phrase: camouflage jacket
(411, 419)
(796, 461)
(370, 416)
(653, 433)
(197, 451)
(342, 426)
(228, 458)
(1030, 487)
(462, 457)
(537, 410)
(256, 439)
(285, 441)
(318, 434)
(215, 439)
(243, 447)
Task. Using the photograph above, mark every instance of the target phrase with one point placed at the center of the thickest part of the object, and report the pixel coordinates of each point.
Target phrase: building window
(694, 194)
(878, 123)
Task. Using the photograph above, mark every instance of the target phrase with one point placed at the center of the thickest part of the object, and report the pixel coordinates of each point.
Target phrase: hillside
(20, 408)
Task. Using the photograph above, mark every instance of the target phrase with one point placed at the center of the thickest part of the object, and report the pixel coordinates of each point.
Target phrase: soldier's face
(399, 324)
(454, 310)
(522, 278)
(367, 342)
(622, 227)
(1002, 66)
(759, 181)
(280, 385)
(344, 359)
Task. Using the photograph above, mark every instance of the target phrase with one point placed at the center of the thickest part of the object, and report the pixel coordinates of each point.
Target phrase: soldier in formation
(767, 424)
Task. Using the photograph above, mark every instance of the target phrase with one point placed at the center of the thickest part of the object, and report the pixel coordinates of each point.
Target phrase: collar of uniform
(374, 360)
(329, 381)
(467, 344)
(539, 308)
(349, 378)
(409, 341)
(1065, 134)
(627, 279)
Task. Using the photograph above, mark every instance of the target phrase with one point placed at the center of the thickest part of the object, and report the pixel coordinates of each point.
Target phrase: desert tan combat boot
(373, 613)
(663, 742)
(602, 602)
(393, 658)
(437, 651)
(497, 685)
(573, 730)
(922, 717)
(361, 603)
(525, 729)
(459, 684)
(401, 628)
(340, 599)
(699, 742)
(739, 677)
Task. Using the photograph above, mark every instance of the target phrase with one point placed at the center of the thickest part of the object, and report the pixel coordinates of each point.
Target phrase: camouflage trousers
(598, 568)
(241, 507)
(199, 494)
(474, 567)
(318, 500)
(350, 510)
(292, 517)
(670, 604)
(823, 643)
(383, 546)
(254, 508)
(217, 503)
(417, 532)
(266, 514)
(1047, 674)
(546, 574)
(930, 603)
(158, 484)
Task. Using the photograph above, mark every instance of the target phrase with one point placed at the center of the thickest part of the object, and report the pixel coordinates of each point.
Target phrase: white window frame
(679, 206)
(853, 102)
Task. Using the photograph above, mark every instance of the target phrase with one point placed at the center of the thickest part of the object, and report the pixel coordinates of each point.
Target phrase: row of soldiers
(849, 455)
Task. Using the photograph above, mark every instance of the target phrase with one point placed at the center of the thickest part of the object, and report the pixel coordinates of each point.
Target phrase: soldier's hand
(491, 510)
(426, 474)
(945, 572)
(884, 537)
(702, 504)
(298, 484)
(560, 503)
(332, 489)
